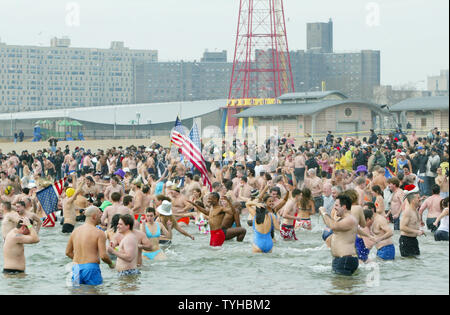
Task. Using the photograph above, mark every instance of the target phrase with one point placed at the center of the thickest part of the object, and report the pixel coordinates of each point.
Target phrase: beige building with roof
(316, 113)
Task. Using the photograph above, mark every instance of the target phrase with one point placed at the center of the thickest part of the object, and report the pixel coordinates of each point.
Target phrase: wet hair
(352, 195)
(21, 203)
(127, 220)
(435, 189)
(115, 196)
(377, 189)
(411, 196)
(150, 210)
(345, 200)
(145, 189)
(114, 221)
(162, 198)
(371, 206)
(260, 215)
(127, 200)
(444, 203)
(394, 181)
(296, 192)
(360, 181)
(7, 205)
(215, 195)
(228, 184)
(368, 214)
(306, 198)
(277, 190)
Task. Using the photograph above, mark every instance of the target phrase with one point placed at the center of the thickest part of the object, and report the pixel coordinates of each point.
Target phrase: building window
(348, 112)
(423, 122)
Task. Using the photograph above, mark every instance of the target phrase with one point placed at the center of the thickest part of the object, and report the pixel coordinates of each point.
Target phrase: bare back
(88, 244)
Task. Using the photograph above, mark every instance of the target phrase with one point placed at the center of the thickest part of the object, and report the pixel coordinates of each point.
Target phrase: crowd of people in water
(122, 205)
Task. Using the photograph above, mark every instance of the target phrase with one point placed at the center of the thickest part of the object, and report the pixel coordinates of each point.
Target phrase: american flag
(191, 150)
(48, 197)
(179, 130)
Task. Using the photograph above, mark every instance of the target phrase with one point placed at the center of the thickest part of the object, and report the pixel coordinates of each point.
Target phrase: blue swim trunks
(89, 274)
(387, 252)
(361, 250)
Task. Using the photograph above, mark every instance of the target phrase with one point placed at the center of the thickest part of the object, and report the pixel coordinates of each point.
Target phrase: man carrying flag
(191, 150)
(48, 197)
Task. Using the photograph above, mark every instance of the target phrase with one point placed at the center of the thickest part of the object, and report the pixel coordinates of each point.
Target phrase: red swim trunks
(217, 238)
(287, 232)
(184, 220)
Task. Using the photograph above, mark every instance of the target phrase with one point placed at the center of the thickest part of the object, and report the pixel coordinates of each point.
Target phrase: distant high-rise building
(183, 81)
(320, 37)
(214, 56)
(319, 68)
(60, 76)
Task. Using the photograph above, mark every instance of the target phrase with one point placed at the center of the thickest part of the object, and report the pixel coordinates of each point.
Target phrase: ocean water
(194, 268)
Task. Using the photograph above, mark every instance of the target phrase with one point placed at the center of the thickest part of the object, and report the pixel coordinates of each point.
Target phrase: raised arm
(199, 208)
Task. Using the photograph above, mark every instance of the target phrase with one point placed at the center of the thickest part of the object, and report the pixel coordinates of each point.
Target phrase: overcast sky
(412, 35)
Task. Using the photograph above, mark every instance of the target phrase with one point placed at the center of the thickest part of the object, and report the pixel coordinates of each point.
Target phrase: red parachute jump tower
(262, 66)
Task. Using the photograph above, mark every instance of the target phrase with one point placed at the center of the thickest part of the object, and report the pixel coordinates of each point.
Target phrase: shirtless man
(345, 260)
(69, 208)
(22, 212)
(87, 163)
(288, 212)
(216, 214)
(10, 218)
(383, 233)
(114, 187)
(433, 205)
(230, 219)
(49, 167)
(410, 225)
(299, 167)
(86, 246)
(243, 191)
(143, 242)
(115, 208)
(132, 165)
(139, 202)
(127, 251)
(379, 178)
(13, 249)
(91, 187)
(190, 185)
(314, 183)
(396, 201)
(179, 206)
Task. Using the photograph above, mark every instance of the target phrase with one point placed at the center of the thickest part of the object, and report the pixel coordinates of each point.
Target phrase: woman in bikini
(154, 230)
(306, 208)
